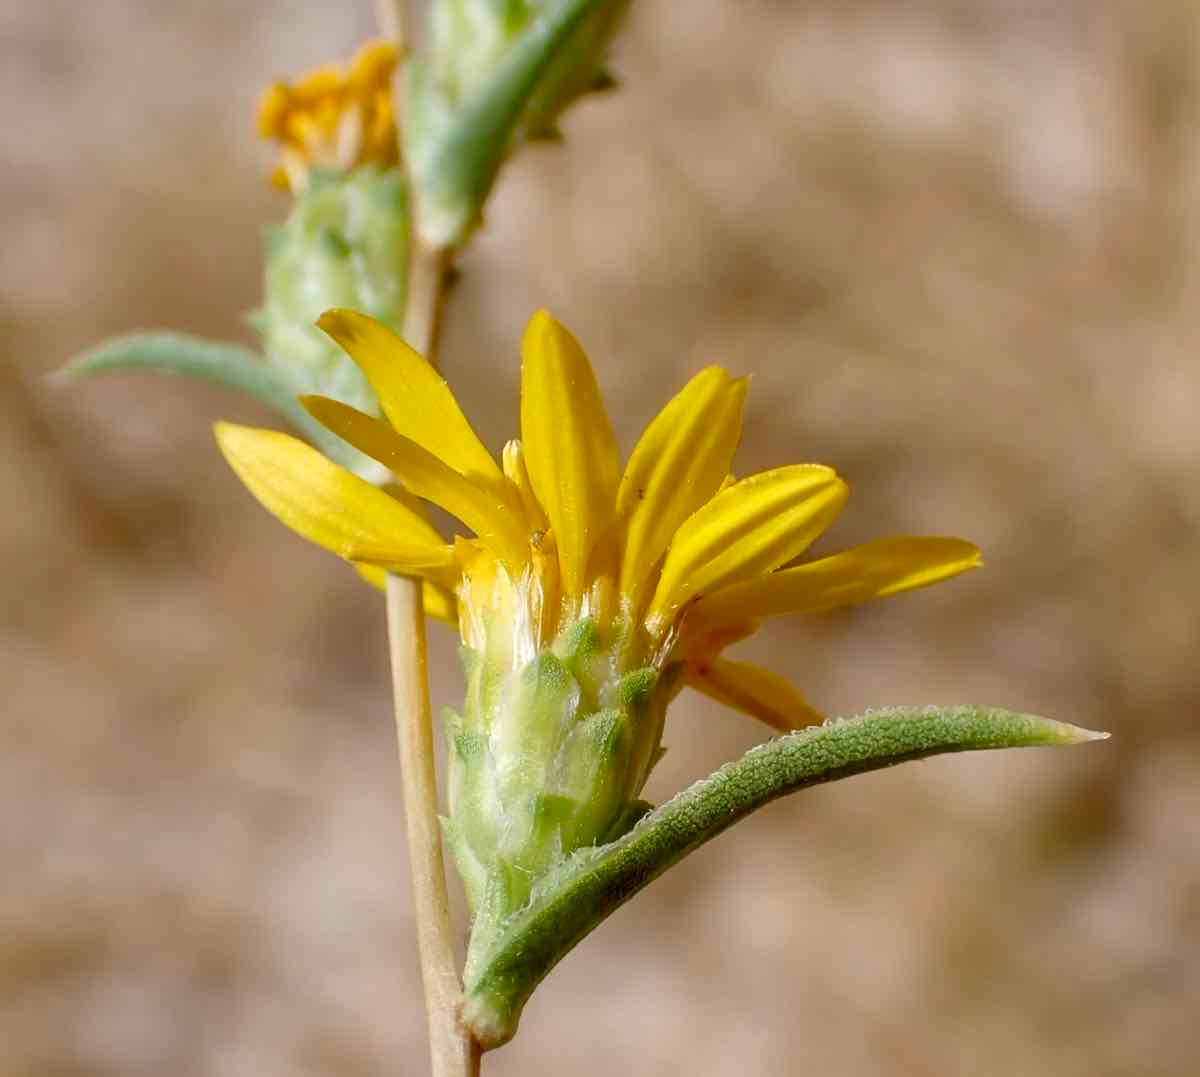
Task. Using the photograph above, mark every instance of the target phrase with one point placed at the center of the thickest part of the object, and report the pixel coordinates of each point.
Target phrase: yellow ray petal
(376, 577)
(495, 521)
(513, 459)
(678, 464)
(431, 562)
(408, 500)
(415, 399)
(755, 691)
(752, 527)
(569, 445)
(875, 569)
(438, 601)
(316, 498)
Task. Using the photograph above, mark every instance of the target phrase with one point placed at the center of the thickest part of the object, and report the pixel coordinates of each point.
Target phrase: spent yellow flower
(336, 117)
(586, 594)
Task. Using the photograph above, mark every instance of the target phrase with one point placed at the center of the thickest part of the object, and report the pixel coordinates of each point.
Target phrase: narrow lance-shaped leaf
(576, 897)
(229, 365)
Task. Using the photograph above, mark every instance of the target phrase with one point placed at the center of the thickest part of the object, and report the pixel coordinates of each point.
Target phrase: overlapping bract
(683, 558)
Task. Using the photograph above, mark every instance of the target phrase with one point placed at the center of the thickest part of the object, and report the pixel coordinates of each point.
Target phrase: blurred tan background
(957, 244)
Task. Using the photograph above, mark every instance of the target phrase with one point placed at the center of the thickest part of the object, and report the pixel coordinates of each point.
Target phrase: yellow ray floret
(747, 530)
(437, 601)
(334, 117)
(674, 557)
(570, 448)
(873, 570)
(415, 398)
(678, 464)
(427, 476)
(755, 691)
(517, 473)
(325, 503)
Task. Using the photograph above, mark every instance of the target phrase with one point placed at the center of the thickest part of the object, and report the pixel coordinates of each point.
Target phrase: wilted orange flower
(336, 117)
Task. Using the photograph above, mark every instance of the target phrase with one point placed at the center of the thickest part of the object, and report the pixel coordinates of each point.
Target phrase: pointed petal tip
(312, 403)
(738, 385)
(226, 432)
(330, 316)
(238, 443)
(541, 328)
(714, 370)
(837, 491)
(325, 409)
(342, 324)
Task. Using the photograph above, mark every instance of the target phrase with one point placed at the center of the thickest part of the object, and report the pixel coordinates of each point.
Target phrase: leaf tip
(1064, 733)
(1079, 735)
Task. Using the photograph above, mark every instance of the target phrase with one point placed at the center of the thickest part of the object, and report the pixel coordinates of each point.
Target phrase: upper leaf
(461, 125)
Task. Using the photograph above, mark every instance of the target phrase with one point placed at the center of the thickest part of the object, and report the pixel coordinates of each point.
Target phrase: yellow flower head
(672, 558)
(336, 117)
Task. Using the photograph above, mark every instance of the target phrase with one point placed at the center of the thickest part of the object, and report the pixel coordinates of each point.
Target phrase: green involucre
(547, 757)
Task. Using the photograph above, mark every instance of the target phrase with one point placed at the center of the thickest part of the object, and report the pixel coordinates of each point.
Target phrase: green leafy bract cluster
(337, 248)
(548, 756)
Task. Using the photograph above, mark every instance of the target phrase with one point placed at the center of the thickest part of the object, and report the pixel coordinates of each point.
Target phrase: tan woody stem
(428, 269)
(391, 16)
(454, 1051)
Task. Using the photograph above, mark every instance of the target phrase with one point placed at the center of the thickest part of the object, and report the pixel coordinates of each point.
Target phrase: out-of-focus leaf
(456, 148)
(221, 363)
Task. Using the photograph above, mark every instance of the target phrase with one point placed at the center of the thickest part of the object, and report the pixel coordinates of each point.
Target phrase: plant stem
(391, 17)
(453, 1050)
(428, 267)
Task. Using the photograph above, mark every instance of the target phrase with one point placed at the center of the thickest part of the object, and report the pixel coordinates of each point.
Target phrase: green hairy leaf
(229, 365)
(573, 899)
